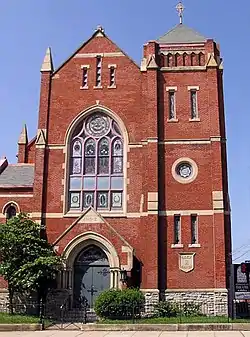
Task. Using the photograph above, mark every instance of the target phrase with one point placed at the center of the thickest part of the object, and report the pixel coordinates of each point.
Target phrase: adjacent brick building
(128, 169)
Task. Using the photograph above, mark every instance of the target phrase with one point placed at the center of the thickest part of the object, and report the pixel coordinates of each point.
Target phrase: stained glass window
(177, 229)
(96, 174)
(194, 108)
(194, 233)
(171, 105)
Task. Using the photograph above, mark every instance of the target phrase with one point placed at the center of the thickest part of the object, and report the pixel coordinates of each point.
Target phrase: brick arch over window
(96, 157)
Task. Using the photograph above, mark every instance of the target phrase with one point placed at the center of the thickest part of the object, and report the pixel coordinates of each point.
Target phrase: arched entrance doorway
(91, 274)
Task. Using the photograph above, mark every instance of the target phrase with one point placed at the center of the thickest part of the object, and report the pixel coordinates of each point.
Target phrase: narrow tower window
(98, 71)
(194, 108)
(177, 229)
(171, 97)
(194, 229)
(85, 77)
(112, 77)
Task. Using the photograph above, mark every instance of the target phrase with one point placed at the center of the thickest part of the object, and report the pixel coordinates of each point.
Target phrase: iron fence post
(41, 313)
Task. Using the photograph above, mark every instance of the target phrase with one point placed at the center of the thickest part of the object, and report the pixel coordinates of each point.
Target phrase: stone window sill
(104, 214)
(99, 87)
(194, 120)
(112, 87)
(84, 88)
(177, 245)
(173, 120)
(195, 245)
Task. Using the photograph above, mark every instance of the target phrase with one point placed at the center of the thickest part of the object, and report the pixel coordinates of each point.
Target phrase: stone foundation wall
(212, 303)
(4, 297)
(151, 298)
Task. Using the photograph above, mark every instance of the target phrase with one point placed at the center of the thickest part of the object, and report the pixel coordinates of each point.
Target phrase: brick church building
(128, 170)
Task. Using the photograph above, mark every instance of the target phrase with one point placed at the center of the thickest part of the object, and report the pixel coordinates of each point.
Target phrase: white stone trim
(186, 212)
(194, 119)
(150, 290)
(37, 214)
(171, 88)
(194, 245)
(82, 115)
(173, 120)
(12, 195)
(218, 201)
(56, 147)
(9, 203)
(183, 68)
(177, 245)
(134, 146)
(112, 66)
(215, 139)
(130, 215)
(216, 290)
(111, 87)
(85, 66)
(129, 251)
(90, 55)
(152, 140)
(194, 173)
(193, 87)
(84, 88)
(185, 141)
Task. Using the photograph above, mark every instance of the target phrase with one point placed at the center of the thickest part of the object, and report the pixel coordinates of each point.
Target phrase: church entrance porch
(91, 275)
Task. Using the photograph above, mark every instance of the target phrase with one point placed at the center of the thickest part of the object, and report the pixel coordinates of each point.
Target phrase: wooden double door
(91, 275)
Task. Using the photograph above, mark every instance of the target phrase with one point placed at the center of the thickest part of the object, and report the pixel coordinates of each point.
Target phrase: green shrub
(166, 309)
(119, 304)
(190, 309)
(173, 309)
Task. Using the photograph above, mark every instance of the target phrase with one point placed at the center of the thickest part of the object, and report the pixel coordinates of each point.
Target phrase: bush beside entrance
(119, 304)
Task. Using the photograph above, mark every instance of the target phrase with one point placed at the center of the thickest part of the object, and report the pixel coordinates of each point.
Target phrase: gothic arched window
(10, 211)
(96, 164)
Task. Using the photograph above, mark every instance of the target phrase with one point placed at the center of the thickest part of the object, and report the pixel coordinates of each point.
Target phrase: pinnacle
(47, 62)
(23, 138)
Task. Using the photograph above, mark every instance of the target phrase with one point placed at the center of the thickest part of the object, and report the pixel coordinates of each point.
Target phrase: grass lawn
(176, 320)
(12, 319)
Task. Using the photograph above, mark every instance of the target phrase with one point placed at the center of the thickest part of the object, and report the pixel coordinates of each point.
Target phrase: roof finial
(99, 28)
(180, 9)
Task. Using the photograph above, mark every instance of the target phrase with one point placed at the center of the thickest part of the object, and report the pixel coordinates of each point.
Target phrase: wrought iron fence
(70, 314)
(168, 312)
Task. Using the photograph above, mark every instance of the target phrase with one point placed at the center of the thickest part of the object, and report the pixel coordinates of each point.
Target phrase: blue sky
(28, 27)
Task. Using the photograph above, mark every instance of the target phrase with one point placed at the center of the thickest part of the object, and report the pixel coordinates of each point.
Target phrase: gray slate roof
(182, 34)
(17, 175)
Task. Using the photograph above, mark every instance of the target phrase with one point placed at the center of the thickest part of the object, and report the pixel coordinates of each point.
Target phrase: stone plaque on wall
(186, 262)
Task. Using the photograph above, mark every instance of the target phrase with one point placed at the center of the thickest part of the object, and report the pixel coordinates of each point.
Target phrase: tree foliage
(28, 262)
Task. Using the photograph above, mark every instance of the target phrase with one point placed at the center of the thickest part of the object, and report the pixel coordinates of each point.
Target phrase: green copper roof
(182, 34)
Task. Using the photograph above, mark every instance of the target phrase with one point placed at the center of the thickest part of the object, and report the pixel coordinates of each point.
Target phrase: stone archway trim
(81, 241)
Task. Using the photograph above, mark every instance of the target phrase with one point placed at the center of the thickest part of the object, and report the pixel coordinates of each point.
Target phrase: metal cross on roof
(180, 9)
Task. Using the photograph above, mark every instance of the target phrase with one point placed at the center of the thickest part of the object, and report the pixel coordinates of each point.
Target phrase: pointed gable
(98, 44)
(182, 34)
(90, 217)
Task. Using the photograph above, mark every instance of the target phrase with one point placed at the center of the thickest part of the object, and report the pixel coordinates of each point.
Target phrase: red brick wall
(141, 102)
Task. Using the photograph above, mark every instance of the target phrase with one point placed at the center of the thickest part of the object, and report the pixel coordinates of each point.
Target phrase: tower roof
(182, 34)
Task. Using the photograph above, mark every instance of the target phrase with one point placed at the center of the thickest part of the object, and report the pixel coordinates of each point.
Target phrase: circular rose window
(184, 170)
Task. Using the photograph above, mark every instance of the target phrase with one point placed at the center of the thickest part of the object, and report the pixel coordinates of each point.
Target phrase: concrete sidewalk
(78, 333)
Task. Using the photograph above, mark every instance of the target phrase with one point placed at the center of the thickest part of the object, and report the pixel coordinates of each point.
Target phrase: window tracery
(96, 165)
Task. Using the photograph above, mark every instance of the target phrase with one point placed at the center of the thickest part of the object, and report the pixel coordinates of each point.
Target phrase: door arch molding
(82, 241)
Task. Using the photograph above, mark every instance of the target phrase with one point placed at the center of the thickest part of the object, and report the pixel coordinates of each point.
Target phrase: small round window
(184, 170)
